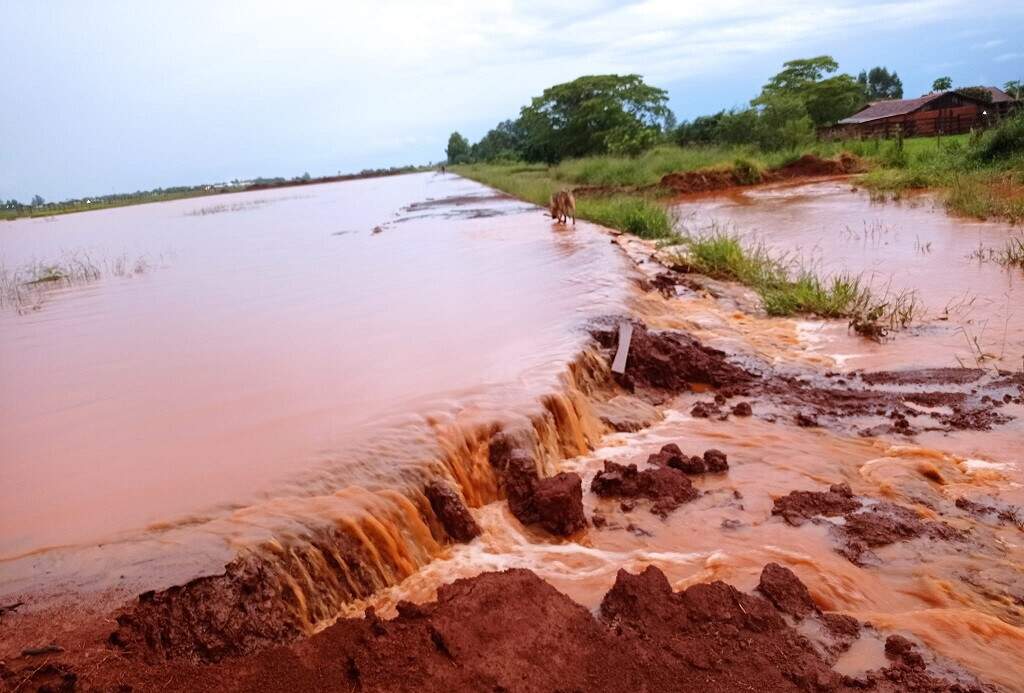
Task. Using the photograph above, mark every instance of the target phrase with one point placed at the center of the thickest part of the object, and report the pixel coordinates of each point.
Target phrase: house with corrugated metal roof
(945, 113)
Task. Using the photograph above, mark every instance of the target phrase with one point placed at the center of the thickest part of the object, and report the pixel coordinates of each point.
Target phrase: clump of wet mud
(451, 511)
(671, 455)
(555, 503)
(671, 362)
(490, 632)
(663, 363)
(1000, 512)
(666, 486)
(864, 525)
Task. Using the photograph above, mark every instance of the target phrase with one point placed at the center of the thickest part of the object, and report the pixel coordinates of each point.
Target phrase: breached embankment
(510, 631)
(489, 631)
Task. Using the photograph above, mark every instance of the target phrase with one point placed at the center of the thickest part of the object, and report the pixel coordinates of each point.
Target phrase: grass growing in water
(636, 214)
(785, 290)
(26, 288)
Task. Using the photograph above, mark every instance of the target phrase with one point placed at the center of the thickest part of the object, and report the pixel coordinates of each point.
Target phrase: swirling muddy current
(886, 476)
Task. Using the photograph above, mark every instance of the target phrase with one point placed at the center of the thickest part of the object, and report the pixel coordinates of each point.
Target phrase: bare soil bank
(510, 631)
(719, 179)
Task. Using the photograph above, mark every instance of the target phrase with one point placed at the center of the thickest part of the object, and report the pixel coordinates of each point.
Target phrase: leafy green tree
(784, 123)
(738, 126)
(980, 93)
(827, 99)
(701, 130)
(942, 84)
(458, 149)
(502, 143)
(38, 201)
(593, 115)
(879, 84)
(797, 75)
(1015, 88)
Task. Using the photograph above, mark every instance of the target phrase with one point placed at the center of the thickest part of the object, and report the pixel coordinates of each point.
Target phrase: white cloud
(276, 85)
(1006, 57)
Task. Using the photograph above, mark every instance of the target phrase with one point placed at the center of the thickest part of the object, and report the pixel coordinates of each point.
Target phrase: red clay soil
(807, 166)
(674, 361)
(866, 525)
(667, 487)
(664, 363)
(451, 511)
(511, 631)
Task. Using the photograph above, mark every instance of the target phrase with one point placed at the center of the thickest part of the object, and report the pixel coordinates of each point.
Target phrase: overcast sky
(101, 97)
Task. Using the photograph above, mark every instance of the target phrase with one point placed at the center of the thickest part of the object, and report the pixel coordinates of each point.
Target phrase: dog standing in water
(563, 206)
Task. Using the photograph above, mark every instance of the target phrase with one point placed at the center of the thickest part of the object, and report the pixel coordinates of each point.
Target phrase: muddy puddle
(896, 497)
(971, 306)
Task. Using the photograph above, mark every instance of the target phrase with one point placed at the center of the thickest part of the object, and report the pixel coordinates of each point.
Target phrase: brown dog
(563, 206)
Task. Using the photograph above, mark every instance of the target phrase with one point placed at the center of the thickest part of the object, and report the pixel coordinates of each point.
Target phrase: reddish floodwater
(266, 377)
(910, 245)
(272, 342)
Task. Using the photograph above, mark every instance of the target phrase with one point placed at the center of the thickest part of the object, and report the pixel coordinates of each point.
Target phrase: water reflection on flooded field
(973, 307)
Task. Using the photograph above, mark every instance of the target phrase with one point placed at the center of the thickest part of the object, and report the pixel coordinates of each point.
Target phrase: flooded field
(264, 404)
(972, 306)
(273, 345)
(963, 599)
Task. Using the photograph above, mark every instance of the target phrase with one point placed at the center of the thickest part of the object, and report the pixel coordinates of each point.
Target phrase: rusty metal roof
(887, 109)
(998, 95)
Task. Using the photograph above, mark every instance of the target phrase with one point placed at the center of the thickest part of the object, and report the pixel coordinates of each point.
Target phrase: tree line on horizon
(623, 115)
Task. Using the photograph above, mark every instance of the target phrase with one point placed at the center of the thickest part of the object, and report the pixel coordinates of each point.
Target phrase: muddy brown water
(963, 600)
(276, 345)
(972, 308)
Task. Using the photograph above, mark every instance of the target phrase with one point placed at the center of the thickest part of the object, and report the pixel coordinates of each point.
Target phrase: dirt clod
(559, 503)
(455, 517)
(667, 487)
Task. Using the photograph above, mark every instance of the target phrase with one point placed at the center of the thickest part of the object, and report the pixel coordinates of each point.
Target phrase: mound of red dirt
(672, 361)
(511, 631)
(807, 166)
(699, 181)
(810, 165)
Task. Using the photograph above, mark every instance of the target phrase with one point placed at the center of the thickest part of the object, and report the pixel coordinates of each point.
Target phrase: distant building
(946, 113)
(1002, 103)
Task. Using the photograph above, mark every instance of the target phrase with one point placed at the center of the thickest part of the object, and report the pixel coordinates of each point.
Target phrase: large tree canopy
(879, 84)
(942, 84)
(458, 149)
(595, 114)
(504, 141)
(826, 99)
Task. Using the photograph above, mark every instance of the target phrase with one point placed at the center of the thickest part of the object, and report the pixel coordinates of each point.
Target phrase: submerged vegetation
(787, 288)
(26, 288)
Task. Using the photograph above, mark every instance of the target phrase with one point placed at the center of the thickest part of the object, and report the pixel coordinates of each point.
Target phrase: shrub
(1002, 142)
(746, 172)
